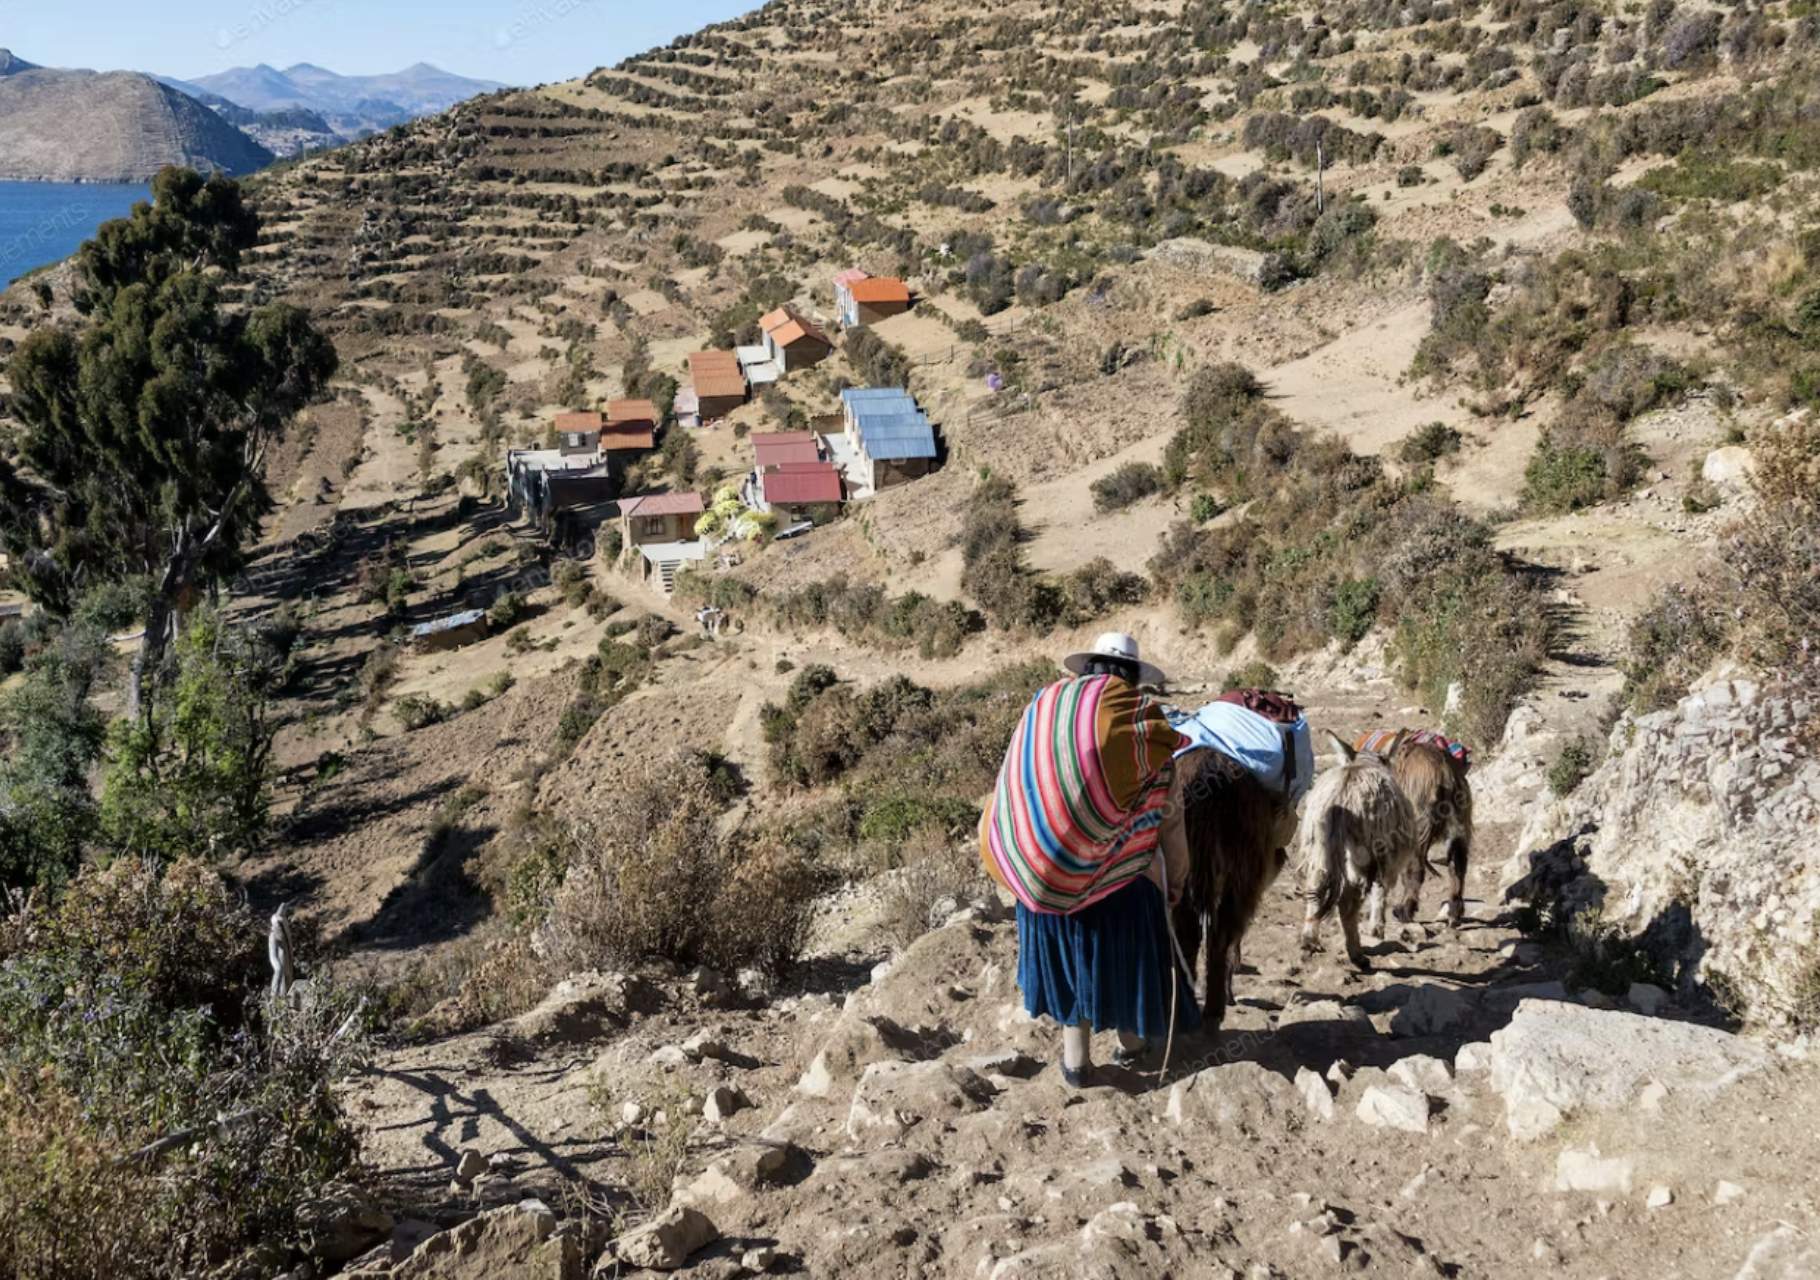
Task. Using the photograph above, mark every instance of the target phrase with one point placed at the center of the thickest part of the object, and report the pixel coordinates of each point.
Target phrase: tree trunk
(152, 643)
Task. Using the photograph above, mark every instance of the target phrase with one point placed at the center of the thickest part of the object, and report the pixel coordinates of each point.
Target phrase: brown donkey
(1359, 836)
(1441, 797)
(1236, 830)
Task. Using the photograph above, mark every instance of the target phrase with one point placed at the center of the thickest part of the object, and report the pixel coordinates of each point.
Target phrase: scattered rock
(1554, 1059)
(1324, 1011)
(711, 986)
(760, 1260)
(891, 1097)
(1394, 1107)
(1729, 466)
(1727, 1192)
(1646, 999)
(668, 1055)
(1472, 1058)
(631, 1112)
(854, 1044)
(1239, 1097)
(1589, 1171)
(471, 1164)
(1315, 1092)
(722, 1101)
(1660, 1197)
(341, 1223)
(703, 1045)
(515, 1240)
(1430, 1010)
(1422, 1073)
(663, 1244)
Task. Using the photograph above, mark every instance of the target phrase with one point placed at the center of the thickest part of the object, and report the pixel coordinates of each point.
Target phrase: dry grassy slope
(642, 202)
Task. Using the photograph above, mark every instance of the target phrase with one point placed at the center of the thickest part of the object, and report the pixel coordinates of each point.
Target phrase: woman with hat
(1076, 830)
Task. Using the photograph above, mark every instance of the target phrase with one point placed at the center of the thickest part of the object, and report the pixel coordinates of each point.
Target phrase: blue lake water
(44, 222)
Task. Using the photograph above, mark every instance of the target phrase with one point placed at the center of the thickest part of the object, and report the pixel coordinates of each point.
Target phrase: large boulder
(1239, 1098)
(513, 1241)
(341, 1223)
(1694, 840)
(665, 1243)
(1556, 1059)
(892, 1097)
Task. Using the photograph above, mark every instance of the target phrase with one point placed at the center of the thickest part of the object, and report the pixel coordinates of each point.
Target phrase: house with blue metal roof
(891, 440)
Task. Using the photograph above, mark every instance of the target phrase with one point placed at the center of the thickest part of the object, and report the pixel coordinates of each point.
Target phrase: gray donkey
(1359, 833)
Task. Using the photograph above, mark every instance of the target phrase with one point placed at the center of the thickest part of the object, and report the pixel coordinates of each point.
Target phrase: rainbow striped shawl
(1081, 794)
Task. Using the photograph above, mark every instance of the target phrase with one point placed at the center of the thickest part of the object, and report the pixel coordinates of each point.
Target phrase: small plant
(1203, 508)
(1570, 767)
(1429, 444)
(507, 611)
(415, 711)
(1128, 484)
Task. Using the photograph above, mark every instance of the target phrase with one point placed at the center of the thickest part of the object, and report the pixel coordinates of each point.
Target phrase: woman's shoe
(1077, 1077)
(1132, 1059)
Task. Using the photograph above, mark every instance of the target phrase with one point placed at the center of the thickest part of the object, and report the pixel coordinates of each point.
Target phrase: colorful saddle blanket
(1379, 740)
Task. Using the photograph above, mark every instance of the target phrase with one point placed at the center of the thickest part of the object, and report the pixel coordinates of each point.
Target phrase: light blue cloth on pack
(1257, 742)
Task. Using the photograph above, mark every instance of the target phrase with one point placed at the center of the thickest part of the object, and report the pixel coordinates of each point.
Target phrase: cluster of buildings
(803, 478)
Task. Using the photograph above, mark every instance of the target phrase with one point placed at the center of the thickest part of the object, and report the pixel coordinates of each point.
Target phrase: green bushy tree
(145, 426)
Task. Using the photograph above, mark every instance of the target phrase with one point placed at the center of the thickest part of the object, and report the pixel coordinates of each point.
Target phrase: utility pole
(1320, 177)
(1071, 151)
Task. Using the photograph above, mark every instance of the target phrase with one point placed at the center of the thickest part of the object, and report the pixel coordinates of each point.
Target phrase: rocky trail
(1466, 1108)
(1457, 1111)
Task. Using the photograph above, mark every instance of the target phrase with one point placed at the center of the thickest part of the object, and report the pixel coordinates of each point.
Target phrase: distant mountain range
(123, 126)
(115, 126)
(350, 106)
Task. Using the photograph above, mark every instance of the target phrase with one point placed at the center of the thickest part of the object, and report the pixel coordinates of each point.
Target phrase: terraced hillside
(1445, 363)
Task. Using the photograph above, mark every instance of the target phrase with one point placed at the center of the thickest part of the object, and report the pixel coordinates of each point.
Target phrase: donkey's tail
(1335, 867)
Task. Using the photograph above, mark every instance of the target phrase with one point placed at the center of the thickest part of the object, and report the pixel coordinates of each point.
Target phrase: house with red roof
(630, 427)
(799, 491)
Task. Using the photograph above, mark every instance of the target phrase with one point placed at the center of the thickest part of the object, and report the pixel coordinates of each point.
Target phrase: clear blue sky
(515, 41)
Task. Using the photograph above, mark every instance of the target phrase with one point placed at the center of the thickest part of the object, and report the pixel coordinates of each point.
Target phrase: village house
(863, 299)
(801, 491)
(756, 364)
(630, 428)
(659, 517)
(543, 483)
(812, 490)
(888, 439)
(792, 342)
(659, 528)
(719, 386)
(452, 632)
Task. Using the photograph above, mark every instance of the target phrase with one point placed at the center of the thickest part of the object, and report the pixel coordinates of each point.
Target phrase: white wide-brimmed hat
(1114, 644)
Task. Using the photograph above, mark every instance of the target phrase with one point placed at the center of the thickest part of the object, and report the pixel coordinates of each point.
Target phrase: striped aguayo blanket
(1379, 740)
(1080, 797)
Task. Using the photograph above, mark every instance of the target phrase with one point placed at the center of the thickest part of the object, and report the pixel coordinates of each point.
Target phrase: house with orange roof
(863, 299)
(793, 342)
(718, 383)
(630, 427)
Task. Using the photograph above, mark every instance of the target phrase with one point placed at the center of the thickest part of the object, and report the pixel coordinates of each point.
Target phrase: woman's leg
(1077, 1053)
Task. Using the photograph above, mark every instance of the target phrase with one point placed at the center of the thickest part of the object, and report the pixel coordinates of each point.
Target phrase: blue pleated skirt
(1107, 965)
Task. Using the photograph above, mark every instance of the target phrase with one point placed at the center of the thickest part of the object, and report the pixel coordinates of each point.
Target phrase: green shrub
(1560, 479)
(1203, 508)
(1431, 443)
(1570, 767)
(417, 711)
(507, 611)
(130, 1013)
(1130, 483)
(1354, 609)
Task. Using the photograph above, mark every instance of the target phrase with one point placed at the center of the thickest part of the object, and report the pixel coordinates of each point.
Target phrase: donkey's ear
(1347, 754)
